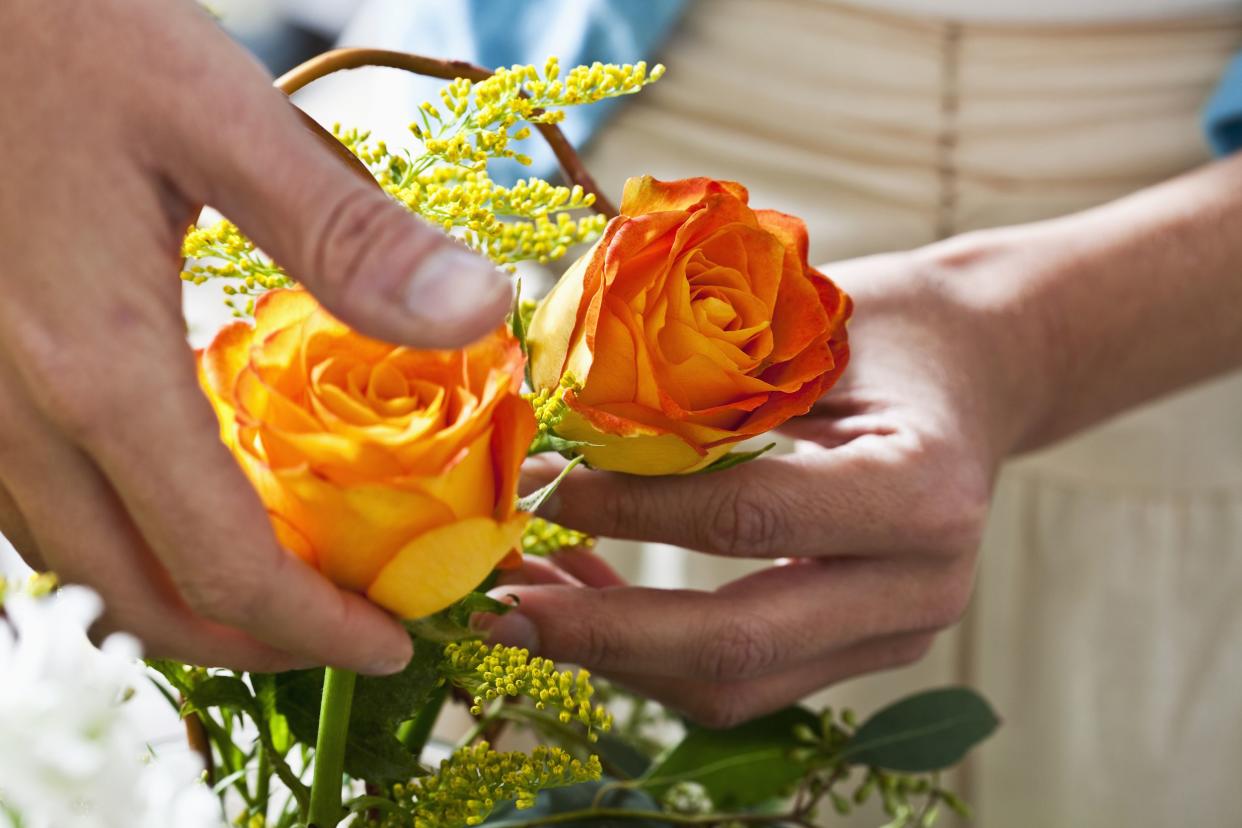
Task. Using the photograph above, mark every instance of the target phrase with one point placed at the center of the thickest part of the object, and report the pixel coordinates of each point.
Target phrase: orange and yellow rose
(393, 471)
(694, 323)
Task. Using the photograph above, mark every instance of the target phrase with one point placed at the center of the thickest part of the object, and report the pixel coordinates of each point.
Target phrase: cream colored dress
(1107, 623)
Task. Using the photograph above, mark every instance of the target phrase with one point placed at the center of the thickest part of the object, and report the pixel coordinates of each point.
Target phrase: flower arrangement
(691, 323)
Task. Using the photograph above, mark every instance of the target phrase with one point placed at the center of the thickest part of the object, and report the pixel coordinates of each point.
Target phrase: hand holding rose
(881, 514)
(963, 353)
(694, 323)
(119, 118)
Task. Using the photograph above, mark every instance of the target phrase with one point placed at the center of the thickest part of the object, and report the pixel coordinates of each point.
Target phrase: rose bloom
(392, 470)
(694, 323)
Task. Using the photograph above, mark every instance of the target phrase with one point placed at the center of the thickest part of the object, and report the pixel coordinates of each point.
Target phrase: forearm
(1103, 310)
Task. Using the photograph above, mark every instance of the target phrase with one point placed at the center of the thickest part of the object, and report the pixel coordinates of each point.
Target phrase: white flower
(71, 752)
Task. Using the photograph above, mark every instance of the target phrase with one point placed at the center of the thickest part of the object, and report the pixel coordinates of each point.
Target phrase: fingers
(370, 262)
(85, 537)
(575, 568)
(761, 625)
(588, 568)
(876, 494)
(726, 704)
(150, 431)
(206, 525)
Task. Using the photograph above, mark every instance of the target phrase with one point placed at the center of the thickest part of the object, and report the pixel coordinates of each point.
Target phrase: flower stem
(325, 799)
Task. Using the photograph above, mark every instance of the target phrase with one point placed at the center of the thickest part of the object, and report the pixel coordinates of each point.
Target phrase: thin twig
(338, 60)
(196, 735)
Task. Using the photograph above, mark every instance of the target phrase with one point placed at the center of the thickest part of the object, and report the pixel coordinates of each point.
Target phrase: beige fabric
(1107, 625)
(1060, 11)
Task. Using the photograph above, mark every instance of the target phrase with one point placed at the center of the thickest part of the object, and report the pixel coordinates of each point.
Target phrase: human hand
(879, 514)
(119, 116)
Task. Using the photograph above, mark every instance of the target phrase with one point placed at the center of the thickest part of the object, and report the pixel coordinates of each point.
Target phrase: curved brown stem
(200, 743)
(338, 60)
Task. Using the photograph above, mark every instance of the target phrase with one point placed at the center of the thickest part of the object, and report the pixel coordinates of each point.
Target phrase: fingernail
(512, 629)
(386, 667)
(452, 283)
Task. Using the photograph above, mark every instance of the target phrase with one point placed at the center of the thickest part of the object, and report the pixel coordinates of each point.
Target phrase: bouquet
(688, 323)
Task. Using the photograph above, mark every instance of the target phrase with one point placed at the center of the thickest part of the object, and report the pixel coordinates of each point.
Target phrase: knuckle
(745, 522)
(950, 601)
(595, 644)
(910, 650)
(356, 224)
(951, 512)
(741, 647)
(218, 597)
(625, 512)
(65, 388)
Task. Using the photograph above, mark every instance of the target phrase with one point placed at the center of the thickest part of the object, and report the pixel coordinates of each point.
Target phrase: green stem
(415, 733)
(325, 800)
(263, 782)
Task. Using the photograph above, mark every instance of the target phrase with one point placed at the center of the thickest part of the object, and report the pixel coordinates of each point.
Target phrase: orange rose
(694, 323)
(391, 470)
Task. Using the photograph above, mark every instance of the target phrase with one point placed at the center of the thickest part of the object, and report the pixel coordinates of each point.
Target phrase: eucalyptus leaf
(740, 767)
(536, 498)
(924, 732)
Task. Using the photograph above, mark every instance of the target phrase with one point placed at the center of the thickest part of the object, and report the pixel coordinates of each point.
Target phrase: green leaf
(222, 691)
(739, 767)
(477, 602)
(381, 704)
(536, 498)
(439, 627)
(617, 753)
(548, 442)
(277, 724)
(736, 458)
(578, 798)
(924, 732)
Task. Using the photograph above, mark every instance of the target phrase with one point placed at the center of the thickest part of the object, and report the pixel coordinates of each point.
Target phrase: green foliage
(739, 767)
(535, 499)
(381, 704)
(542, 537)
(471, 782)
(584, 797)
(498, 672)
(924, 732)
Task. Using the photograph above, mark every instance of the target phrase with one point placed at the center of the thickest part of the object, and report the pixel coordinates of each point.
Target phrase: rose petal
(644, 194)
(440, 566)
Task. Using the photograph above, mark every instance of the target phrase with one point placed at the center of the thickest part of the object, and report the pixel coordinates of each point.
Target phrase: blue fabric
(1222, 119)
(504, 32)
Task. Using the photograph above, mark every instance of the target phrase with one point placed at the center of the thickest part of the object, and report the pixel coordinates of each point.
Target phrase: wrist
(991, 280)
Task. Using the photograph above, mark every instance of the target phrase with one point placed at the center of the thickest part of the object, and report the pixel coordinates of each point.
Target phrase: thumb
(369, 261)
